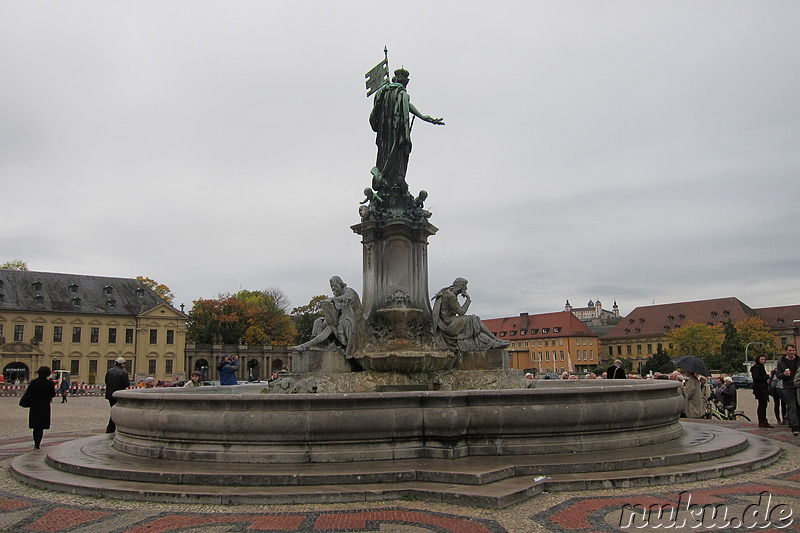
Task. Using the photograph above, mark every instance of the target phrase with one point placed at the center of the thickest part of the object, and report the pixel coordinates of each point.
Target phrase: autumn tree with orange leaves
(250, 317)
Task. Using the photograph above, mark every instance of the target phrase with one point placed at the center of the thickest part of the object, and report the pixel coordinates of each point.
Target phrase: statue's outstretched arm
(426, 118)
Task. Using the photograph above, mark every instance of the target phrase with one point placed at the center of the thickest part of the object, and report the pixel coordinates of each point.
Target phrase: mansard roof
(74, 293)
(549, 325)
(659, 320)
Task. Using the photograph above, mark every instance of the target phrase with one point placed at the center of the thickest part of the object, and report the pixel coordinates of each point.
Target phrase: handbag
(25, 401)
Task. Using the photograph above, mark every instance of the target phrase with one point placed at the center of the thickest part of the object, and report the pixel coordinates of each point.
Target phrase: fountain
(433, 413)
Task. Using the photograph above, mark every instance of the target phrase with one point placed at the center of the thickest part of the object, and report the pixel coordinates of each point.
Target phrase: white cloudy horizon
(637, 152)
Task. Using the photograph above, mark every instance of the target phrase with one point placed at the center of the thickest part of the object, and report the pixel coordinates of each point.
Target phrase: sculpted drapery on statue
(454, 328)
(391, 120)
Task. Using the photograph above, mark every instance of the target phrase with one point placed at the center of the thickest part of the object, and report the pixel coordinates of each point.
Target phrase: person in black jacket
(761, 389)
(116, 379)
(41, 391)
(786, 369)
(616, 371)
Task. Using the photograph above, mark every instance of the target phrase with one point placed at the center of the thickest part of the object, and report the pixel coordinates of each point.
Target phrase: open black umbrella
(693, 364)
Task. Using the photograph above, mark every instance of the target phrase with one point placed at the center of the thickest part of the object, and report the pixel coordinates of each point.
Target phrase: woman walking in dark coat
(761, 389)
(41, 390)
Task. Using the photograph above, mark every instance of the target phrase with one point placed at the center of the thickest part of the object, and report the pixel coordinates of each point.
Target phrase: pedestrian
(116, 379)
(778, 407)
(41, 392)
(194, 381)
(616, 371)
(227, 368)
(761, 389)
(727, 396)
(693, 392)
(64, 388)
(786, 370)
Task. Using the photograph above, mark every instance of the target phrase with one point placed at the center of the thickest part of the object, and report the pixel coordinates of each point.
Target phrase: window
(76, 334)
(591, 341)
(111, 304)
(129, 336)
(638, 349)
(591, 355)
(546, 355)
(19, 333)
(93, 366)
(611, 351)
(1, 333)
(56, 364)
(73, 288)
(628, 349)
(37, 286)
(108, 290)
(153, 336)
(38, 333)
(649, 348)
(556, 329)
(58, 333)
(38, 299)
(534, 331)
(140, 292)
(109, 364)
(545, 331)
(513, 333)
(74, 367)
(94, 335)
(112, 335)
(151, 366)
(168, 367)
(76, 302)
(547, 343)
(523, 331)
(502, 333)
(561, 354)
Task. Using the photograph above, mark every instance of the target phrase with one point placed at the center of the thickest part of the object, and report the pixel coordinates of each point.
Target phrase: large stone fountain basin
(238, 424)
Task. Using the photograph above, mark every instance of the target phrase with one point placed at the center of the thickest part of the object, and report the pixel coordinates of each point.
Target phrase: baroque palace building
(646, 329)
(548, 342)
(83, 323)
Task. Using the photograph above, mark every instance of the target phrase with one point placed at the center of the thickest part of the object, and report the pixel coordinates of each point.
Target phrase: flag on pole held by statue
(377, 77)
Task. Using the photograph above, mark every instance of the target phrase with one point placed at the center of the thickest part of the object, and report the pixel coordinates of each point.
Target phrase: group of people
(697, 392)
(782, 386)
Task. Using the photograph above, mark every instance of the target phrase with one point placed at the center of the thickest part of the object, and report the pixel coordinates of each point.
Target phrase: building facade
(646, 329)
(548, 342)
(82, 323)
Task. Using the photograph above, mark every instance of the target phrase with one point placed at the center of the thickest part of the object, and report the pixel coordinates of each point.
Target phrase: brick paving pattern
(765, 500)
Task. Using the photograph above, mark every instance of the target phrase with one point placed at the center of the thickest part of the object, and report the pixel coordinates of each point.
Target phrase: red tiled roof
(567, 324)
(659, 320)
(779, 317)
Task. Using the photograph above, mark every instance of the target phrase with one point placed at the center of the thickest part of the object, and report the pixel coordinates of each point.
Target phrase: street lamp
(746, 360)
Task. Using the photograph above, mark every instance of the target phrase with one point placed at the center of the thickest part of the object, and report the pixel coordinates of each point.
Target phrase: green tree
(700, 340)
(305, 316)
(14, 264)
(158, 288)
(252, 317)
(731, 355)
(659, 362)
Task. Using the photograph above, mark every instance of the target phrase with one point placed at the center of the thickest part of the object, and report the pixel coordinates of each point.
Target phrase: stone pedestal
(395, 263)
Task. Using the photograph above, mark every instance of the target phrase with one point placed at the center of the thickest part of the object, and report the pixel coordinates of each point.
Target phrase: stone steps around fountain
(491, 482)
(95, 457)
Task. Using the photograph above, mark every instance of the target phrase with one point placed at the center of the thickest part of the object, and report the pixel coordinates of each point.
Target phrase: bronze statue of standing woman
(391, 119)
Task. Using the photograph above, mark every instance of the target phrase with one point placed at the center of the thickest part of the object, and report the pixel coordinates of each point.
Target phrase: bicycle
(714, 412)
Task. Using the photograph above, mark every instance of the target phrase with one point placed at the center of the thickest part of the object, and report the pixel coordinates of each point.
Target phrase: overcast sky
(616, 150)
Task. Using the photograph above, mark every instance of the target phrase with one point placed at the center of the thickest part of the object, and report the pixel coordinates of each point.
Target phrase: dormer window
(780, 321)
(111, 304)
(726, 313)
(670, 318)
(108, 290)
(556, 329)
(632, 321)
(681, 316)
(534, 331)
(73, 288)
(523, 331)
(545, 331)
(38, 299)
(76, 302)
(627, 330)
(713, 314)
(666, 329)
(513, 333)
(140, 292)
(641, 320)
(37, 286)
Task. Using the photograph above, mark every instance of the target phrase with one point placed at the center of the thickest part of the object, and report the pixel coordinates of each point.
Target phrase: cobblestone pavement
(765, 500)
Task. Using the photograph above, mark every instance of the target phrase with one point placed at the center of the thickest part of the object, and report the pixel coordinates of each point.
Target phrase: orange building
(548, 342)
